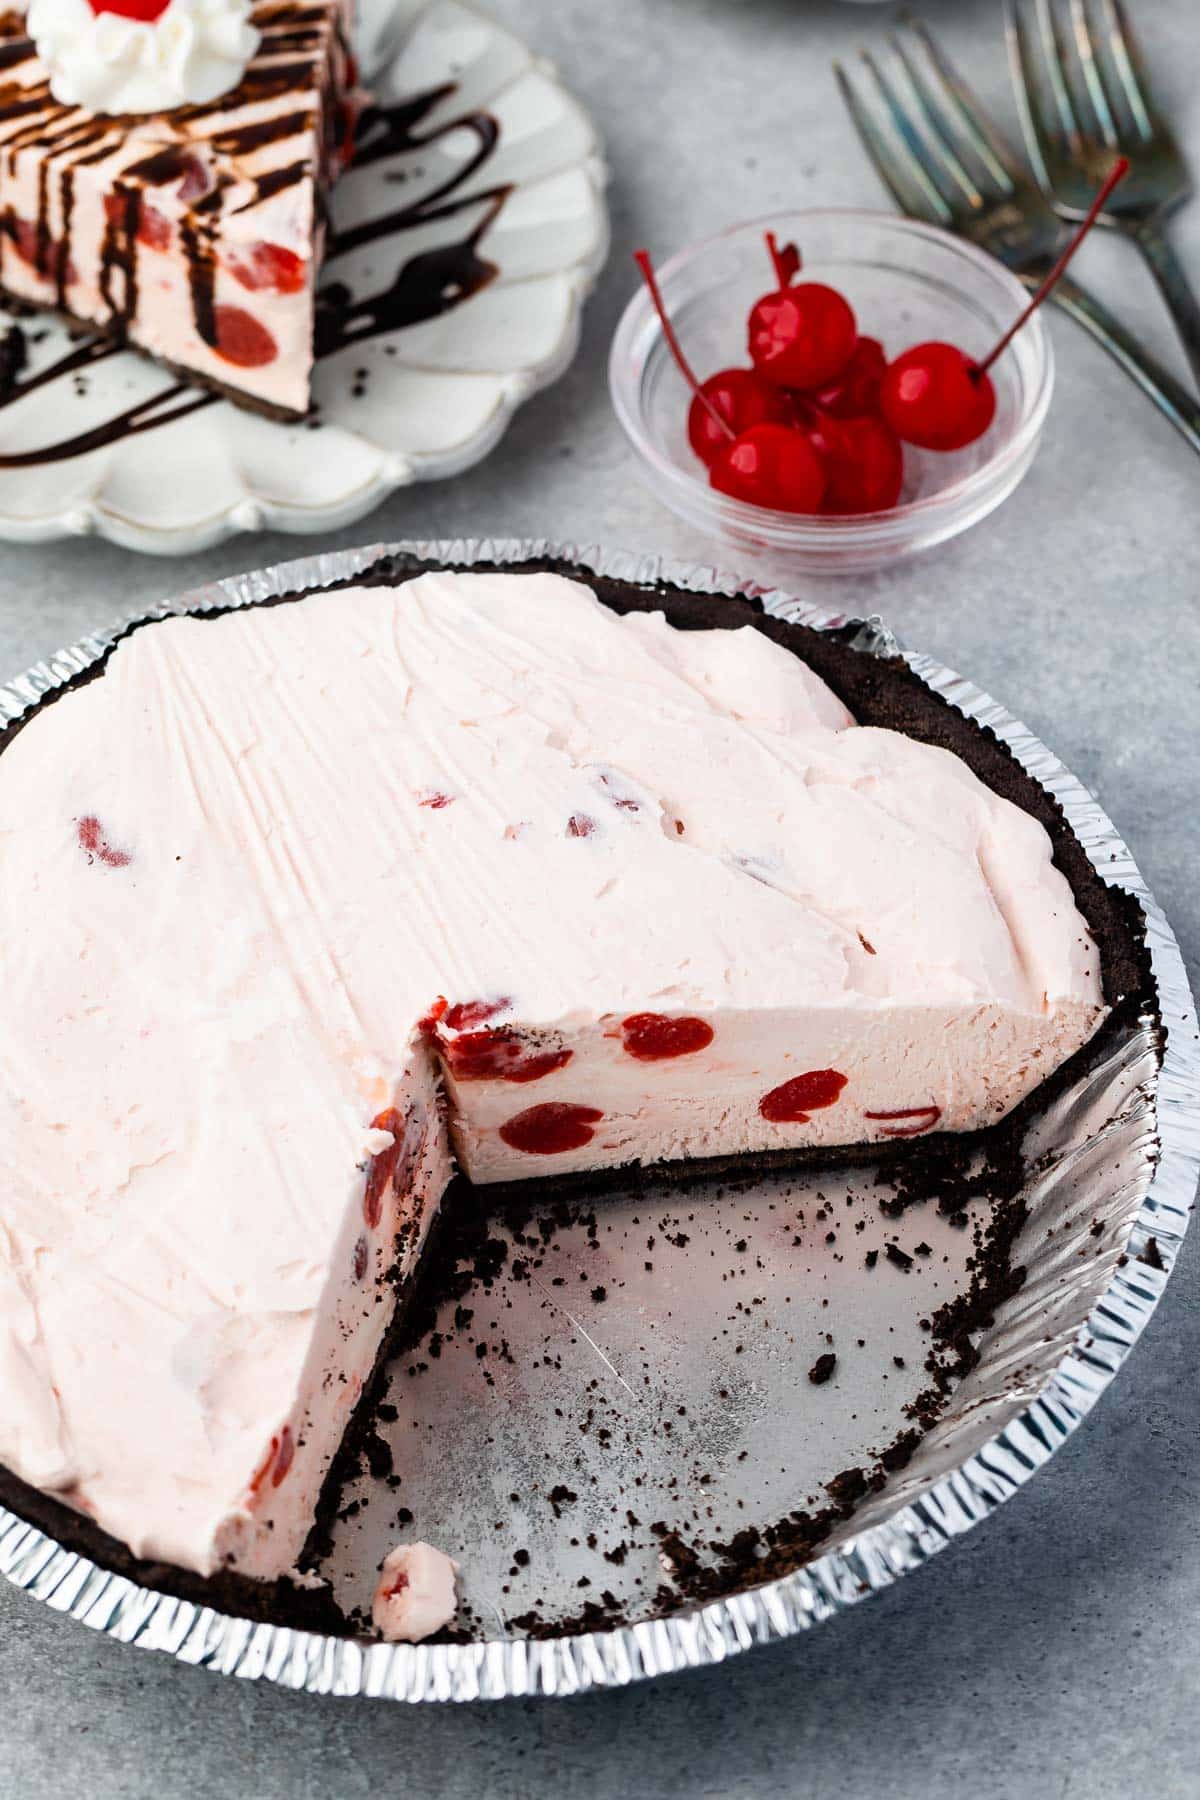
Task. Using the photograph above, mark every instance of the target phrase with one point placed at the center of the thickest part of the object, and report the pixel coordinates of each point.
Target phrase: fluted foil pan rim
(869, 1561)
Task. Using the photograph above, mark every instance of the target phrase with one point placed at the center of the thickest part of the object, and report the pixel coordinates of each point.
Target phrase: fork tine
(988, 142)
(1056, 68)
(906, 128)
(1093, 74)
(1041, 137)
(1127, 61)
(929, 115)
(901, 173)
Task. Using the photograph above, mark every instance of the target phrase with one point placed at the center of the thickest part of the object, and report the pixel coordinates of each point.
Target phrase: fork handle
(1173, 285)
(1157, 383)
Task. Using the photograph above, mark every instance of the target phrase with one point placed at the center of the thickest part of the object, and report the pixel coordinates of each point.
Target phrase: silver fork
(1080, 111)
(944, 161)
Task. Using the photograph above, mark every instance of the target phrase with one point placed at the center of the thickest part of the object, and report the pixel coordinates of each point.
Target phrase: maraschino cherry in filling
(816, 423)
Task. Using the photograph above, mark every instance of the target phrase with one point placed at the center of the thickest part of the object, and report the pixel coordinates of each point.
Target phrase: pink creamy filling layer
(528, 1101)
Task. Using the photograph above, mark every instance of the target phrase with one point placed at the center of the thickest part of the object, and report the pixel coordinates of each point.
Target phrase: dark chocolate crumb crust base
(942, 1168)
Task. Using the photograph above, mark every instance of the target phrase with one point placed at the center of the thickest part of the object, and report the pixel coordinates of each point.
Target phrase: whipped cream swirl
(193, 52)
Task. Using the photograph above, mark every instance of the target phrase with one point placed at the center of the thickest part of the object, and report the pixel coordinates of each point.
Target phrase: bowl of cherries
(835, 389)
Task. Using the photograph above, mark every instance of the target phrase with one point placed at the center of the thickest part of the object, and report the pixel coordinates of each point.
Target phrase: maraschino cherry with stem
(939, 398)
(936, 397)
(800, 336)
(729, 402)
(761, 459)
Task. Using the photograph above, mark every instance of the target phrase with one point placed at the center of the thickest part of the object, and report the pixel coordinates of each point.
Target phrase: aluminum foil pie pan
(656, 1356)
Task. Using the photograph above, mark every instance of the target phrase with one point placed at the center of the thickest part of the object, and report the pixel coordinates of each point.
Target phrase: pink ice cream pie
(531, 877)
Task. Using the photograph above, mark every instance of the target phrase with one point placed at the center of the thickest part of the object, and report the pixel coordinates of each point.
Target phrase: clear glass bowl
(907, 283)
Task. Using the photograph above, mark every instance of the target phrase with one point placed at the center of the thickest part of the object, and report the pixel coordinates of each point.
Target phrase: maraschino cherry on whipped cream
(142, 56)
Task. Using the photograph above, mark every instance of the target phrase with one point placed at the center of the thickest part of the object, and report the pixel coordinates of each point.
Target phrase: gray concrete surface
(1057, 1650)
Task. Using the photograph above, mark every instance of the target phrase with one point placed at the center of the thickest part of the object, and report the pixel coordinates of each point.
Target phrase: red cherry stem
(642, 259)
(1117, 173)
(786, 261)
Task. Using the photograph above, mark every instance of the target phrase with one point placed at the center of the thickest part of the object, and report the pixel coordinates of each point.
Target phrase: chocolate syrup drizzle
(147, 415)
(424, 287)
(438, 280)
(12, 55)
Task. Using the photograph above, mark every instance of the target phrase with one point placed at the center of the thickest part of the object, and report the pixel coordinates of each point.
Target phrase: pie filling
(304, 904)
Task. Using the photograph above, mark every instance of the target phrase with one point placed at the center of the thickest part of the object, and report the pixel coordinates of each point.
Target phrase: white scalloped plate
(436, 395)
